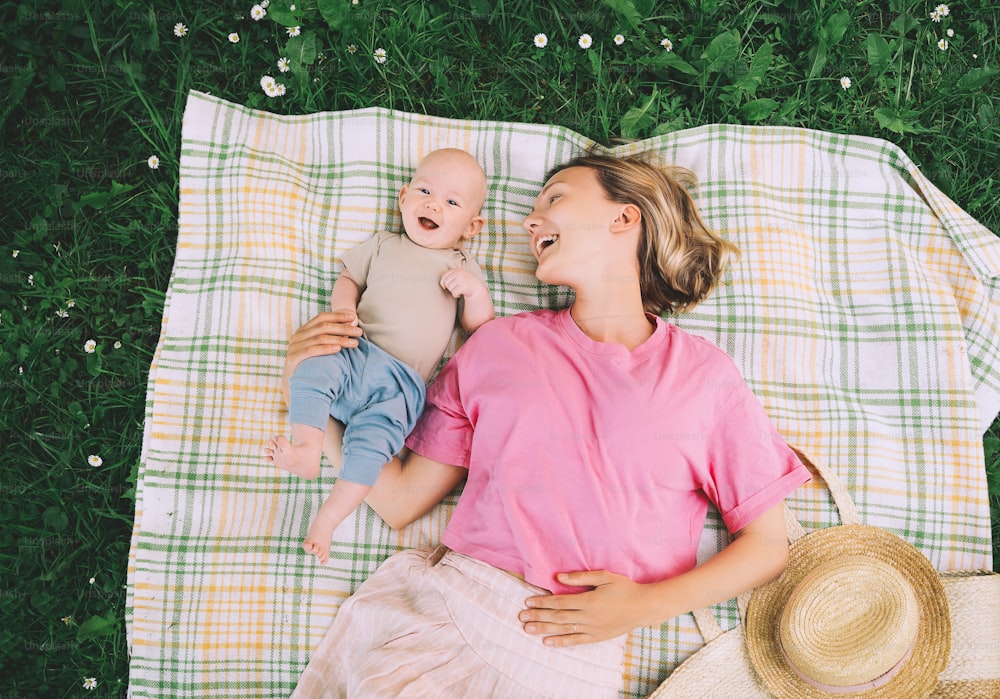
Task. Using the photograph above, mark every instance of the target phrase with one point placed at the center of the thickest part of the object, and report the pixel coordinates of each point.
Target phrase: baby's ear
(402, 193)
(475, 226)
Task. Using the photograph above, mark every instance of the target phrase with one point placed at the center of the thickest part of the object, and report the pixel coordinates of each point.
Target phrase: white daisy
(541, 41)
(667, 44)
(585, 41)
(284, 65)
(180, 29)
(234, 38)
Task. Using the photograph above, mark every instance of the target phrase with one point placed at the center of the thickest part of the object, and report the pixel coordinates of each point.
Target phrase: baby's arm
(477, 307)
(346, 294)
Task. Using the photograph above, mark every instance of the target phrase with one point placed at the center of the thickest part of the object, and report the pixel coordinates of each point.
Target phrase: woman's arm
(616, 605)
(406, 490)
(326, 333)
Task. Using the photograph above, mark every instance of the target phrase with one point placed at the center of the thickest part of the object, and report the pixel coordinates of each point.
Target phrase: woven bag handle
(705, 619)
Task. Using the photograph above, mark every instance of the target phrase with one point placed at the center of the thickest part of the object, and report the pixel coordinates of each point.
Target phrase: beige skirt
(435, 623)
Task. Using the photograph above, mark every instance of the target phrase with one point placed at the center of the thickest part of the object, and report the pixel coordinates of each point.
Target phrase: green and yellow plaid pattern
(863, 313)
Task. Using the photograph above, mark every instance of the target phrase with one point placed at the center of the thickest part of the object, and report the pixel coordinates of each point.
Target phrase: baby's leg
(300, 456)
(343, 499)
(315, 387)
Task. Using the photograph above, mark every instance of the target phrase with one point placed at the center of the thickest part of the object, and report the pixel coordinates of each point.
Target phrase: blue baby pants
(376, 396)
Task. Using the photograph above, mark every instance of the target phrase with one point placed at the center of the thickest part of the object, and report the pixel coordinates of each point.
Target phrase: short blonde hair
(680, 259)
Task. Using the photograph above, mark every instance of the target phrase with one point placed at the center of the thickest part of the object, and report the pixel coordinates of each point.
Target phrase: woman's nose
(530, 222)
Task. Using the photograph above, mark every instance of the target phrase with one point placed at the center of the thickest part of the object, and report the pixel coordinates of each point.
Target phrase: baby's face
(441, 204)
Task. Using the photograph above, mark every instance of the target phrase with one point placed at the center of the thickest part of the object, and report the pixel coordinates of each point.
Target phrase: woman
(592, 440)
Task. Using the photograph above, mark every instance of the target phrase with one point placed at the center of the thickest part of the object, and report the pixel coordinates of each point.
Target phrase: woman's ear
(628, 217)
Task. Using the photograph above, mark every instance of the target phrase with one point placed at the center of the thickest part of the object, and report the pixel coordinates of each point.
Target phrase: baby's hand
(461, 282)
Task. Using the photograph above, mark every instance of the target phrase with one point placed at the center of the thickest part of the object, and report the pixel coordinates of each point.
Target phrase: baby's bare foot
(317, 541)
(286, 456)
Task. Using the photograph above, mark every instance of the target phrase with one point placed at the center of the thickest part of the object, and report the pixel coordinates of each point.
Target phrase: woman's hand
(325, 333)
(614, 607)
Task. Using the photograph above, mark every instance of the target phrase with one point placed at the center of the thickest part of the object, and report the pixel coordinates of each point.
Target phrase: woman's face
(570, 227)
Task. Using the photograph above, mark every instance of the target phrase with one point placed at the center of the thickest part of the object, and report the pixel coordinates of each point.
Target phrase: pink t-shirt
(584, 455)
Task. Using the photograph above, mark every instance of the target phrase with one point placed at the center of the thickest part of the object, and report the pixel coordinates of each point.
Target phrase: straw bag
(858, 612)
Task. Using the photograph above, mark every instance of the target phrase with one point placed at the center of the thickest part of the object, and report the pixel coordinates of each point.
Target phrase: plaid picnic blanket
(863, 313)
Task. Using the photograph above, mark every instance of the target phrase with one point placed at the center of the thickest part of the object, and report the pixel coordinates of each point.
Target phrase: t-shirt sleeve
(750, 466)
(444, 431)
(358, 260)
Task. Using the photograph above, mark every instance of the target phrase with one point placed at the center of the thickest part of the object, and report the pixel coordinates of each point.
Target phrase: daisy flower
(153, 162)
(95, 461)
(541, 41)
(940, 12)
(15, 253)
(257, 13)
(180, 29)
(619, 39)
(294, 31)
(67, 620)
(269, 85)
(31, 281)
(234, 38)
(90, 683)
(62, 313)
(667, 44)
(90, 346)
(279, 90)
(943, 44)
(284, 65)
(118, 344)
(845, 82)
(950, 33)
(71, 304)
(585, 41)
(381, 56)
(352, 48)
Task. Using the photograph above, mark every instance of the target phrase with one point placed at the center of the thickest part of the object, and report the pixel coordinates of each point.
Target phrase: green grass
(92, 89)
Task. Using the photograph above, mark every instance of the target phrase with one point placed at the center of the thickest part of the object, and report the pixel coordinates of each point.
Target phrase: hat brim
(919, 674)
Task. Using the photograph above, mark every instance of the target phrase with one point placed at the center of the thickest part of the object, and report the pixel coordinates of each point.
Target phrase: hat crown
(851, 621)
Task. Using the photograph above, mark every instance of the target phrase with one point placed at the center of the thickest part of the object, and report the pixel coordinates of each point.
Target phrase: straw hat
(858, 612)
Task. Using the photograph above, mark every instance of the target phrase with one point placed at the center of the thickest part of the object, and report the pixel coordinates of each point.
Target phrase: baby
(406, 290)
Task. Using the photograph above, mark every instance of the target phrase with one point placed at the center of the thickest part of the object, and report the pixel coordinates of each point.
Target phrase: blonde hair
(680, 259)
